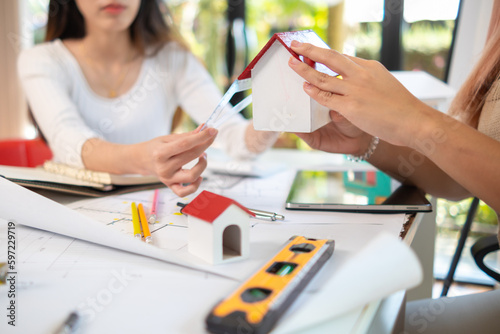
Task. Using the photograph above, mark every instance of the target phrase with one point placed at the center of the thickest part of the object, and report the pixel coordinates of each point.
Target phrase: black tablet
(353, 191)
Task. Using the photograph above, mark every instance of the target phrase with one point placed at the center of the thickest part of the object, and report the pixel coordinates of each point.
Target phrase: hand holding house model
(279, 101)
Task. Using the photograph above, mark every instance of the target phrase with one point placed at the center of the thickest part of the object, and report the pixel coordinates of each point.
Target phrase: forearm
(446, 158)
(465, 154)
(113, 158)
(411, 167)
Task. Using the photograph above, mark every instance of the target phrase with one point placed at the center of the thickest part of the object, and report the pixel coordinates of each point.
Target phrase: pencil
(135, 221)
(152, 216)
(144, 224)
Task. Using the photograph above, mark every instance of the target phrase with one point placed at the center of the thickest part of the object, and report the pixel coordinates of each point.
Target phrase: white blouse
(69, 112)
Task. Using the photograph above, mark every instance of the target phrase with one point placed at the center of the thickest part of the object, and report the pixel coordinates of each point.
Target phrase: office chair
(482, 247)
(24, 152)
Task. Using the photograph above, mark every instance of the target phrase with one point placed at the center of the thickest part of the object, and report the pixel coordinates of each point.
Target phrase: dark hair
(148, 29)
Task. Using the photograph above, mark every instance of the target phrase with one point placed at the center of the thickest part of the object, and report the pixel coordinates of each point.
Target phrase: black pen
(69, 325)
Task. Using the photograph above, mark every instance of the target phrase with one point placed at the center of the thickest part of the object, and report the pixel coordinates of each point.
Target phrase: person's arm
(402, 163)
(375, 102)
(413, 168)
(46, 82)
(463, 153)
(162, 156)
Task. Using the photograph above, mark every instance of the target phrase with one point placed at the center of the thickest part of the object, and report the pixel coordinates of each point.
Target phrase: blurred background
(410, 35)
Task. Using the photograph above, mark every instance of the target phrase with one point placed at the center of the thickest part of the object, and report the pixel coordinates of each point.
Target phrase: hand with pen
(169, 153)
(163, 156)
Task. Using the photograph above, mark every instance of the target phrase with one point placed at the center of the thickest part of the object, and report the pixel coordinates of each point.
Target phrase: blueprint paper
(30, 209)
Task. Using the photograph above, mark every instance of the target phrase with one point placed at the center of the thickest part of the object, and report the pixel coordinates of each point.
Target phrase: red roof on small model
(208, 206)
(286, 38)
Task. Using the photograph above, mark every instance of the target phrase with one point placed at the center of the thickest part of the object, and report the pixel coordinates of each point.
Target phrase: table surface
(118, 291)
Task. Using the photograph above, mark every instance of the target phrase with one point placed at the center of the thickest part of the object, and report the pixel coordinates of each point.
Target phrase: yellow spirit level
(256, 305)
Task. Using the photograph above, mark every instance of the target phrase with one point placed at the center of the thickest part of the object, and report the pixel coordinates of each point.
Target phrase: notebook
(100, 178)
(59, 177)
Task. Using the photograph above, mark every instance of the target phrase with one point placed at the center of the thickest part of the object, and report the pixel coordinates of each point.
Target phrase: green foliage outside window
(451, 216)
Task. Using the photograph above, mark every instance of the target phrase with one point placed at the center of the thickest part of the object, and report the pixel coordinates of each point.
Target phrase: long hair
(148, 31)
(470, 98)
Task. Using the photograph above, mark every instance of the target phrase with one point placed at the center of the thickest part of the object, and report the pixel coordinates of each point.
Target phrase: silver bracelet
(371, 148)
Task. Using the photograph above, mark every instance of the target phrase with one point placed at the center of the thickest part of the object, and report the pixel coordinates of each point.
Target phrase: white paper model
(218, 228)
(279, 101)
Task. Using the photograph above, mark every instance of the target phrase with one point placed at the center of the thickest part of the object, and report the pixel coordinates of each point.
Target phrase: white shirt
(69, 112)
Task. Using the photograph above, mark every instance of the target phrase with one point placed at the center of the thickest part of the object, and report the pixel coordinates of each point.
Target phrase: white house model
(218, 228)
(278, 97)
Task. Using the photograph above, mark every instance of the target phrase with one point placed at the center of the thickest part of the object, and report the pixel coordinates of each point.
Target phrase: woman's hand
(367, 95)
(338, 136)
(165, 156)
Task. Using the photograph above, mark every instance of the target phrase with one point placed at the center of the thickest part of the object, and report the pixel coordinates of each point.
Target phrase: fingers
(359, 61)
(184, 190)
(186, 146)
(318, 79)
(173, 152)
(179, 160)
(185, 176)
(324, 97)
(198, 129)
(186, 181)
(194, 139)
(330, 58)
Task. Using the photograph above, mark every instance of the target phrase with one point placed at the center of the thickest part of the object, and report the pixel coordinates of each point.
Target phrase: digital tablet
(353, 191)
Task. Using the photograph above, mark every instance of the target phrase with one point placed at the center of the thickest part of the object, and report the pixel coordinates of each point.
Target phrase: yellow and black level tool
(256, 305)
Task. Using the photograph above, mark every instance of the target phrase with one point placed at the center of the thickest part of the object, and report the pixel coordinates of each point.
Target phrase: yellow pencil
(144, 224)
(135, 221)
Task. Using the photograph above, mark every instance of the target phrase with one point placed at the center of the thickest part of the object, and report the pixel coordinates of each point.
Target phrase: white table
(112, 288)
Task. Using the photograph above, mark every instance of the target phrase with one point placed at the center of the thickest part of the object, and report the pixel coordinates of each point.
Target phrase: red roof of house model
(286, 38)
(208, 206)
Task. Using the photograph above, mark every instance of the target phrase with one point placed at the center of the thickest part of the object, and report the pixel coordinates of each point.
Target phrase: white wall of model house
(279, 100)
(226, 239)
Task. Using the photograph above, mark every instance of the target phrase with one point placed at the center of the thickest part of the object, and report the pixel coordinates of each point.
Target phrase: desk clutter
(108, 221)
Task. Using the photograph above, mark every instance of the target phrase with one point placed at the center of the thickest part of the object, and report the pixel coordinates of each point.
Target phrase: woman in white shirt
(106, 84)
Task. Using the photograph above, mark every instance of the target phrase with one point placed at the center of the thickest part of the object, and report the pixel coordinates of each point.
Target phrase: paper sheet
(42, 213)
(113, 291)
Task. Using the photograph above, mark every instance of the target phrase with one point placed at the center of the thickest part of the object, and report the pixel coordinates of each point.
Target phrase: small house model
(278, 97)
(218, 228)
